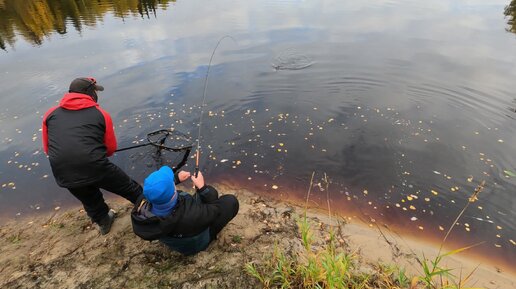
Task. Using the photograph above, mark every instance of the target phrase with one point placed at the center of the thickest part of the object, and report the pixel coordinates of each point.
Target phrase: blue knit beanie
(159, 189)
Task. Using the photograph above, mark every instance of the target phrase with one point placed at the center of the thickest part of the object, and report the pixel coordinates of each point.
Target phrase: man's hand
(183, 176)
(198, 181)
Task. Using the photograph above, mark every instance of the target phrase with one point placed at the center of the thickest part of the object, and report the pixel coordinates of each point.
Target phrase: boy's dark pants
(229, 209)
(115, 181)
(192, 245)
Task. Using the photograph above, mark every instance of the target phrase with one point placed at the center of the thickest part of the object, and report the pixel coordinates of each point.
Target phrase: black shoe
(106, 222)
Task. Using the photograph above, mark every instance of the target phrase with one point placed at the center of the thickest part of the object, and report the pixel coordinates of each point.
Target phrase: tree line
(35, 20)
(510, 14)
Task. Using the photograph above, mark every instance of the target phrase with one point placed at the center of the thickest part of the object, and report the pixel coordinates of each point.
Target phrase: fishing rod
(198, 149)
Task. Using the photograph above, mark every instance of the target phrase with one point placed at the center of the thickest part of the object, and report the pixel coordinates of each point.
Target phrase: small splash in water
(290, 59)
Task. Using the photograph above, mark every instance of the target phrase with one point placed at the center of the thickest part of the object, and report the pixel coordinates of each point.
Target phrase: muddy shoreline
(64, 250)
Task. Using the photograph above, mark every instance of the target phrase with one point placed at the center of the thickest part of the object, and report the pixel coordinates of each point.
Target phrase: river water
(405, 106)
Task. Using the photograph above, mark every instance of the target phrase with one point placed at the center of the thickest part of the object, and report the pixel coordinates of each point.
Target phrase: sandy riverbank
(64, 250)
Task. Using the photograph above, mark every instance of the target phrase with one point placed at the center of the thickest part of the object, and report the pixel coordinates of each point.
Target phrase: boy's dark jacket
(191, 216)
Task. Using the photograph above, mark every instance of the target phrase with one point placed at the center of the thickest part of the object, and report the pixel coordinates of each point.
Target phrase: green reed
(330, 266)
(434, 275)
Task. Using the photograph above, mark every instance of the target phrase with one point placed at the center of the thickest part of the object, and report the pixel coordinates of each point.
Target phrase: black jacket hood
(148, 226)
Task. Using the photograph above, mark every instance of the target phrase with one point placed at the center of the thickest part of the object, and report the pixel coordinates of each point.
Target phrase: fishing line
(198, 149)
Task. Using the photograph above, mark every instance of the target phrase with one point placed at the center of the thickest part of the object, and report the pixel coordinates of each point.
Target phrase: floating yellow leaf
(435, 192)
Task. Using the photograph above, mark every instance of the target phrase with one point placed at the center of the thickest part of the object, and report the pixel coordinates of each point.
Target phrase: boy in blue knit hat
(185, 223)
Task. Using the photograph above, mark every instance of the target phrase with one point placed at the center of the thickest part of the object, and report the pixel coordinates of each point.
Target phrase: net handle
(132, 147)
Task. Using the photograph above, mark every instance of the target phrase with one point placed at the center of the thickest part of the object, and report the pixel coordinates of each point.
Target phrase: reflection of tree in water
(510, 12)
(36, 19)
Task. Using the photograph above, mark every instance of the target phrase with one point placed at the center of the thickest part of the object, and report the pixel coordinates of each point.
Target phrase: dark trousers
(192, 245)
(228, 210)
(115, 181)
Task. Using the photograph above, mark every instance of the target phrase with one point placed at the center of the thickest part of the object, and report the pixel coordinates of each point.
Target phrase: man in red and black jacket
(78, 137)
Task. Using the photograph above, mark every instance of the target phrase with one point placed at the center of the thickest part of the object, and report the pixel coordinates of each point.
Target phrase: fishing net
(169, 140)
(168, 147)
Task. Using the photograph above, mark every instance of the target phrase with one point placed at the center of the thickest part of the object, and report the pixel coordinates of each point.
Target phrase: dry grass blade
(472, 199)
(465, 280)
(309, 190)
(327, 183)
(456, 251)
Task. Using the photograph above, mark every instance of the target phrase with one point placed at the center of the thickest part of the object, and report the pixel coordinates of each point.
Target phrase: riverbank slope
(64, 250)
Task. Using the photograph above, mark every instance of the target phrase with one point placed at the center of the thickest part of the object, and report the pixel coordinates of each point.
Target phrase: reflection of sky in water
(407, 106)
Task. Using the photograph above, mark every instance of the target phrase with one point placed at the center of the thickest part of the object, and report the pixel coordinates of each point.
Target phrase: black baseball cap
(85, 85)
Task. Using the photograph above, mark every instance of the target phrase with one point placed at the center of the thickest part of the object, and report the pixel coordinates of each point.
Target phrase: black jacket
(191, 216)
(78, 136)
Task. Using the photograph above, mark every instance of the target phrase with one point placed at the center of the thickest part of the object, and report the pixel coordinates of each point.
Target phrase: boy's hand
(198, 181)
(183, 176)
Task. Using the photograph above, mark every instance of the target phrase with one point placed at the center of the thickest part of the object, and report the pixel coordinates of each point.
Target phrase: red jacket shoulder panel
(44, 128)
(109, 136)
